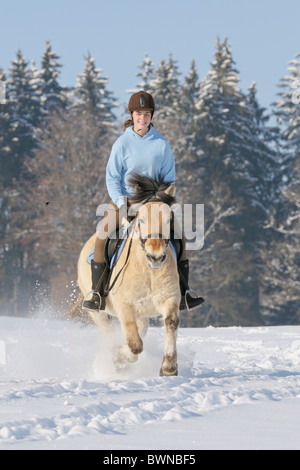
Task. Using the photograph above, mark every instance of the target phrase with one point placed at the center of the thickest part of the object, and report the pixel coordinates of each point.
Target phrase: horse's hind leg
(103, 322)
(171, 319)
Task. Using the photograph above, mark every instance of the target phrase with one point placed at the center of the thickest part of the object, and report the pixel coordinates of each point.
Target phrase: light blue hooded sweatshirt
(150, 155)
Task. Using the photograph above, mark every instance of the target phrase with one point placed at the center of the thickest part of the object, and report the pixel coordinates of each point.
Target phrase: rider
(141, 149)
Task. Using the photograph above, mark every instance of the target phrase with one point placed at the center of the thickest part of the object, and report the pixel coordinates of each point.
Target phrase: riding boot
(187, 301)
(95, 303)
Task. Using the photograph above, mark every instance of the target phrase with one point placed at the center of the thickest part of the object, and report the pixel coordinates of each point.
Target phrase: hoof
(136, 348)
(170, 373)
(124, 356)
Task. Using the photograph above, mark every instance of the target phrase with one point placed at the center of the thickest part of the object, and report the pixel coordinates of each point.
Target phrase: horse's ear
(171, 190)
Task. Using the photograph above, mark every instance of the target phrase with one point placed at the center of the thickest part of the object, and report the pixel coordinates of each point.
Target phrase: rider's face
(141, 120)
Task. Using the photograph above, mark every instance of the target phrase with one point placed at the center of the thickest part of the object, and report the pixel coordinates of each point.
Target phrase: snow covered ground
(237, 388)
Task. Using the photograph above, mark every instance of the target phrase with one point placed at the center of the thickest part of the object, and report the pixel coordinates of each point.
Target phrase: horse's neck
(138, 252)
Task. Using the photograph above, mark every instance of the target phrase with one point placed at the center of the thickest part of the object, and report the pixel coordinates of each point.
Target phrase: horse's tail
(75, 309)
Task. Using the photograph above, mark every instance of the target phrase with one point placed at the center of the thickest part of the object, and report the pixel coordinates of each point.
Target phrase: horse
(144, 282)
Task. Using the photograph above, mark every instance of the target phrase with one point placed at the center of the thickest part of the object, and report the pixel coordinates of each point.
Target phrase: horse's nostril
(157, 259)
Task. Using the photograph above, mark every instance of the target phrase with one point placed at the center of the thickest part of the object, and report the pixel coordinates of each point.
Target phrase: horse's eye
(141, 221)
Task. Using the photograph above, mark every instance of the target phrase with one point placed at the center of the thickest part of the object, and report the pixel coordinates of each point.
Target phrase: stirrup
(185, 297)
(189, 309)
(92, 309)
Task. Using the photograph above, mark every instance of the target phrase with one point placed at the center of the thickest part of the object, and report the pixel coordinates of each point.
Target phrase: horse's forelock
(146, 188)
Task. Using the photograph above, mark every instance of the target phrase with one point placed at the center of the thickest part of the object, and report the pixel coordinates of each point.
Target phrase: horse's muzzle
(155, 262)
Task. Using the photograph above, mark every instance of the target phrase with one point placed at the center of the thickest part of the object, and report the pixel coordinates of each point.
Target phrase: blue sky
(264, 34)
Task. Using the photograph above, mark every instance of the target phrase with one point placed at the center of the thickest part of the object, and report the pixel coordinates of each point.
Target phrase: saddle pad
(113, 248)
(112, 260)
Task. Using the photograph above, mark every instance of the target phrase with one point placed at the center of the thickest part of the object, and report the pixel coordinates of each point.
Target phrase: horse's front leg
(134, 345)
(171, 318)
(130, 328)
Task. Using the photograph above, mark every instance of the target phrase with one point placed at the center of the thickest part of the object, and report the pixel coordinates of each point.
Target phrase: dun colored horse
(144, 281)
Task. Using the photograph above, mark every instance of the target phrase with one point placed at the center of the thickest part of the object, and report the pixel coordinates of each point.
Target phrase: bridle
(153, 235)
(157, 235)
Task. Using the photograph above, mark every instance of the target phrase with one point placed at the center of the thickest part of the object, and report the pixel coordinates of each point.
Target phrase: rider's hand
(123, 214)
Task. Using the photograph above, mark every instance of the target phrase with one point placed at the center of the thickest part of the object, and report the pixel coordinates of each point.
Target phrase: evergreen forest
(238, 159)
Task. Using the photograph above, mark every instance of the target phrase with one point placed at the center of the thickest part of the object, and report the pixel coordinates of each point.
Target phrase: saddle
(114, 247)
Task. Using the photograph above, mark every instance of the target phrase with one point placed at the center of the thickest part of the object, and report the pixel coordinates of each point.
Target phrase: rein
(105, 294)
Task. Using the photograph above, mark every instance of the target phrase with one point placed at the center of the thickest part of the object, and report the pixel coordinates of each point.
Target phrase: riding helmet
(140, 101)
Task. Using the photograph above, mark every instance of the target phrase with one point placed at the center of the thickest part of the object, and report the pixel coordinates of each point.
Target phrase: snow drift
(237, 388)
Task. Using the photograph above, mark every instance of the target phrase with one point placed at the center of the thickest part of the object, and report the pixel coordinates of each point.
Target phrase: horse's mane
(146, 188)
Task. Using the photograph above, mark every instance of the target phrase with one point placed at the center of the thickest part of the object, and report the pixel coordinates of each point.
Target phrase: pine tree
(54, 96)
(23, 116)
(232, 158)
(91, 97)
(282, 299)
(265, 156)
(189, 96)
(7, 162)
(146, 73)
(165, 88)
(25, 110)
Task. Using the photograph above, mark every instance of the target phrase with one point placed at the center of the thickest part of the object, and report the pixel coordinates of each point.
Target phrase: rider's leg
(108, 224)
(183, 268)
